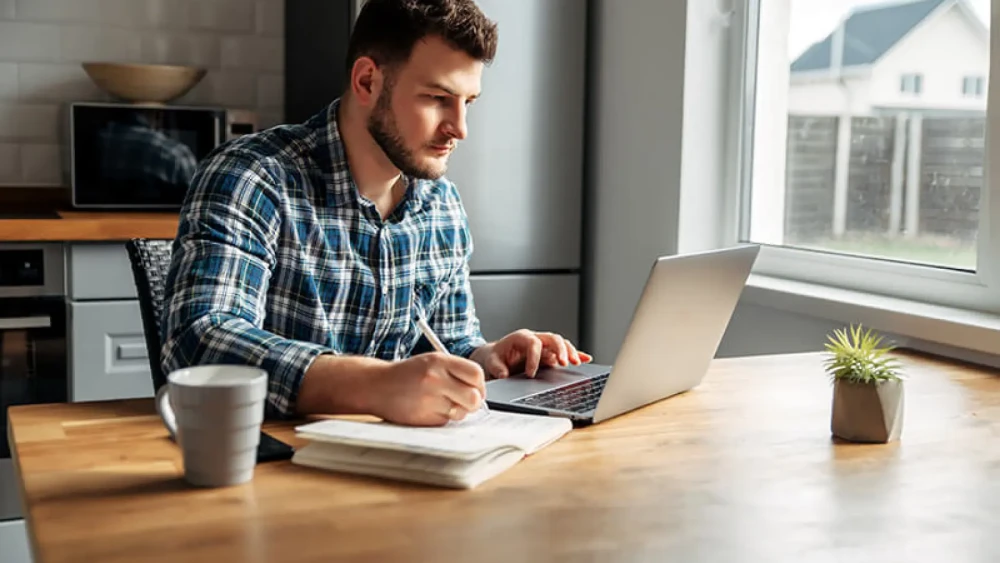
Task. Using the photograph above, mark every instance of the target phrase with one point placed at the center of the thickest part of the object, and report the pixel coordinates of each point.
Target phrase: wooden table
(742, 468)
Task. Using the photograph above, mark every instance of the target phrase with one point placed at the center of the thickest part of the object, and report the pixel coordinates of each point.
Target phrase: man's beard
(382, 127)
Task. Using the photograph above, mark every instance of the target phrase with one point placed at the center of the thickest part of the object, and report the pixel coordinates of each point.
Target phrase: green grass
(935, 251)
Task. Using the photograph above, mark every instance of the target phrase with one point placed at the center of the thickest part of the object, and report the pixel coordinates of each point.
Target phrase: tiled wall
(43, 42)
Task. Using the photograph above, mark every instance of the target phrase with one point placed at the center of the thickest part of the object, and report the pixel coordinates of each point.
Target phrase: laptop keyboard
(581, 396)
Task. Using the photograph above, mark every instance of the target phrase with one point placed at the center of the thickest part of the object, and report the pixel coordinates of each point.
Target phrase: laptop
(675, 331)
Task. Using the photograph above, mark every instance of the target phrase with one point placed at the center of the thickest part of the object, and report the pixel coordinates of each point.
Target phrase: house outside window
(859, 167)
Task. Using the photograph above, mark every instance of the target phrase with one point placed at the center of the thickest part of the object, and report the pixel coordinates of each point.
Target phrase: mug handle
(165, 411)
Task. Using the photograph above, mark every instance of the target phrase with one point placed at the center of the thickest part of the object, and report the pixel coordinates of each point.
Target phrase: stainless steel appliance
(520, 171)
(33, 347)
(139, 156)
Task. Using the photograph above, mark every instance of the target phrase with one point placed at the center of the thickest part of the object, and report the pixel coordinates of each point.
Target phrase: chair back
(150, 260)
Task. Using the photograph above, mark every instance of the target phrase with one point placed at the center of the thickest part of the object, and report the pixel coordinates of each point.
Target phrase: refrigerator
(519, 172)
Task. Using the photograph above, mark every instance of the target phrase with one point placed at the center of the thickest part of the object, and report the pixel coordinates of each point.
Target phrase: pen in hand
(436, 343)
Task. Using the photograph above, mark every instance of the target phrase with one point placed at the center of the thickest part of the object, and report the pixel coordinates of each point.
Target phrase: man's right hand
(427, 390)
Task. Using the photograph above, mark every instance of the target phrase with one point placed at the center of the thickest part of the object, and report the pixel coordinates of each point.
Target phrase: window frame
(975, 291)
(917, 81)
(978, 85)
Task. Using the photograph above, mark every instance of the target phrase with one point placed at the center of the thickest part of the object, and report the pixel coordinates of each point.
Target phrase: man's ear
(366, 81)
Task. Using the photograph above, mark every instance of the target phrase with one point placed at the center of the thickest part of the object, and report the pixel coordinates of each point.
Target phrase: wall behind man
(43, 42)
(658, 103)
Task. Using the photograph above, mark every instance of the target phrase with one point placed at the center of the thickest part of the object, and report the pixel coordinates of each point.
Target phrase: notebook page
(464, 439)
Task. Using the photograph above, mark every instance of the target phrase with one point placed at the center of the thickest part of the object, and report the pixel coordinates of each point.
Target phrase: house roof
(868, 34)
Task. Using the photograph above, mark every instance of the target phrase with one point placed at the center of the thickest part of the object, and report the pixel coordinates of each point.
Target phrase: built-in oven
(33, 344)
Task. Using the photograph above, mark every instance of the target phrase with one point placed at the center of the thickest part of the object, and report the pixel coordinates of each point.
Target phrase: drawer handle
(18, 323)
(131, 352)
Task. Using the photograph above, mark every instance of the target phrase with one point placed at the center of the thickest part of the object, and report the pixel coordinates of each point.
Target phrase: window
(973, 86)
(911, 83)
(847, 182)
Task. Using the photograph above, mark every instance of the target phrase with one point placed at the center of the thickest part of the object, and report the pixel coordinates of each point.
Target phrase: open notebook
(459, 454)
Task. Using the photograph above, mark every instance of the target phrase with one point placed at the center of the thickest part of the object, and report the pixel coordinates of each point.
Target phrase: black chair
(150, 260)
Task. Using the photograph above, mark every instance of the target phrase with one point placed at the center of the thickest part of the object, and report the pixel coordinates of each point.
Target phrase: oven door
(33, 370)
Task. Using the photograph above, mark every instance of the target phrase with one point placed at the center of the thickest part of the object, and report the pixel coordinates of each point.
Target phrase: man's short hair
(387, 30)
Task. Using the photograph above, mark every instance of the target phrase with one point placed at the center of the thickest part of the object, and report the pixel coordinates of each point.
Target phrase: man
(312, 250)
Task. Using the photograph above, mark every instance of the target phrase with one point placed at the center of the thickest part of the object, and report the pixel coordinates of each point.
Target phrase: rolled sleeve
(455, 319)
(221, 267)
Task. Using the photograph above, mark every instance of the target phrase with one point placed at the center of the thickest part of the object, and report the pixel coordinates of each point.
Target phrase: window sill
(964, 334)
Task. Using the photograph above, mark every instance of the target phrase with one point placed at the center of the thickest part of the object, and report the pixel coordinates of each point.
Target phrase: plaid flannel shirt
(278, 259)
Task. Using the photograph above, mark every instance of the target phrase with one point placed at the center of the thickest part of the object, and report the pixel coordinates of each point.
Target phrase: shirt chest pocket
(431, 284)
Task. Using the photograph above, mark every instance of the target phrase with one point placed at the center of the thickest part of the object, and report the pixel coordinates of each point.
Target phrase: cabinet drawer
(99, 271)
(108, 358)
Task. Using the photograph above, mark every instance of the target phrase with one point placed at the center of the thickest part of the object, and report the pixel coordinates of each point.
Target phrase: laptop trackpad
(517, 386)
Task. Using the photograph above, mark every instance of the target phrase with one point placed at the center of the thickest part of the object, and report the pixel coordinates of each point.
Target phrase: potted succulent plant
(867, 386)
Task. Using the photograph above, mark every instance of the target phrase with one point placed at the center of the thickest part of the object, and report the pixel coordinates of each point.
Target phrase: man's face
(420, 113)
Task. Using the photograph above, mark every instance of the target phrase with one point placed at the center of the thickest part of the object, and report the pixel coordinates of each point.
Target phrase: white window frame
(911, 83)
(973, 86)
(976, 291)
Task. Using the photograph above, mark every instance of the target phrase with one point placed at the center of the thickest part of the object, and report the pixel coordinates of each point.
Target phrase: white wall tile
(253, 53)
(226, 89)
(80, 44)
(8, 81)
(10, 163)
(223, 15)
(40, 164)
(37, 122)
(21, 41)
(271, 17)
(56, 83)
(167, 14)
(8, 121)
(271, 91)
(42, 43)
(182, 49)
(268, 119)
(107, 12)
(24, 122)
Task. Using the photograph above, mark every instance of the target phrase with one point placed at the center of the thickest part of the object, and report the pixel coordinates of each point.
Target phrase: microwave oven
(142, 156)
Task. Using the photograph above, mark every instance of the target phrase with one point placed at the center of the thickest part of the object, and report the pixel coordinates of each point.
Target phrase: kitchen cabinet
(107, 351)
(108, 358)
(98, 272)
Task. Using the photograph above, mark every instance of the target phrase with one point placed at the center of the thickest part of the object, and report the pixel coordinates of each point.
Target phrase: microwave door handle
(19, 323)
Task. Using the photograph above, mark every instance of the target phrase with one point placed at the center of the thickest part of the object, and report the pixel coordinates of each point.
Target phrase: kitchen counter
(45, 215)
(87, 226)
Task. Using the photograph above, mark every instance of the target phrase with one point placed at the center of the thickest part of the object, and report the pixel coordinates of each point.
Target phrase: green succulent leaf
(857, 354)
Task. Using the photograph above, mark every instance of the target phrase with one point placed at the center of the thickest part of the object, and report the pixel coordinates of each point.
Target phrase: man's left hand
(525, 351)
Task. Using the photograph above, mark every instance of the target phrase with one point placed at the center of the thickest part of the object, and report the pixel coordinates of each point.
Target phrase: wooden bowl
(144, 83)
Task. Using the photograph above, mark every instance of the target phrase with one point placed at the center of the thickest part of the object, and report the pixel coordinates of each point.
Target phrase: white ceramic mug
(215, 412)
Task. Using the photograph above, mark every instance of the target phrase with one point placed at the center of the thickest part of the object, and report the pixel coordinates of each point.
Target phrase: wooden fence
(952, 154)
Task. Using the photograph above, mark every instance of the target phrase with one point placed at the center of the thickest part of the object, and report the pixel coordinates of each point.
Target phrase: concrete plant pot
(867, 412)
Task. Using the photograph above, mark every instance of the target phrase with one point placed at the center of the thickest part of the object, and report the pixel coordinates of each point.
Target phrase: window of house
(911, 84)
(973, 86)
(846, 184)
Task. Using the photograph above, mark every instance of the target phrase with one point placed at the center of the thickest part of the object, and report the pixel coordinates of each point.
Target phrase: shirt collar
(341, 186)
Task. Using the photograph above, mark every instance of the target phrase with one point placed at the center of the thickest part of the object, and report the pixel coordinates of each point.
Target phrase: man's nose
(457, 126)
